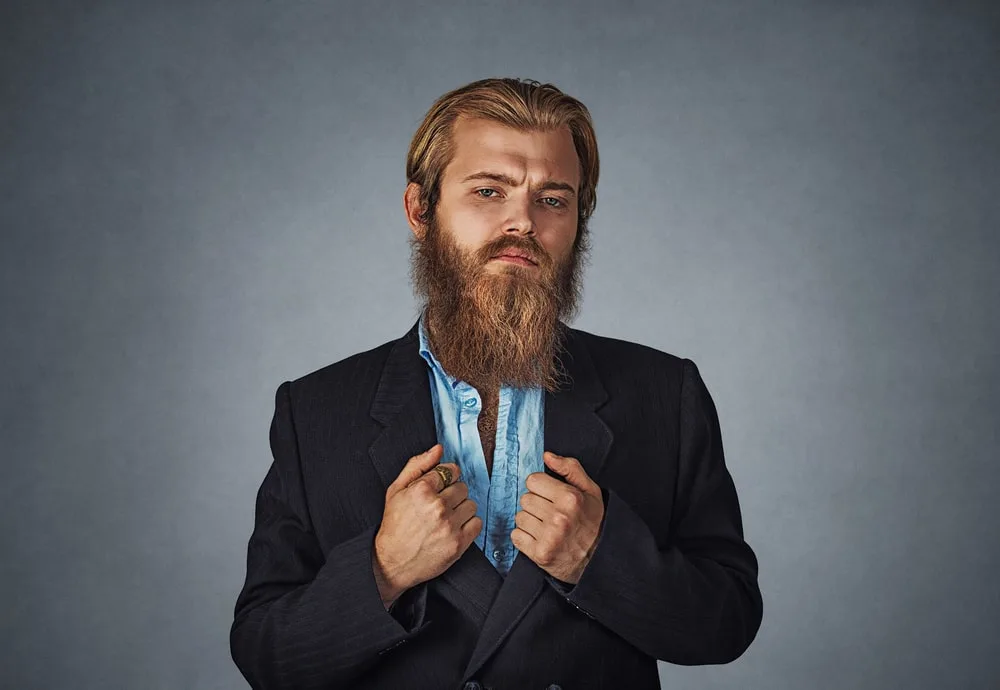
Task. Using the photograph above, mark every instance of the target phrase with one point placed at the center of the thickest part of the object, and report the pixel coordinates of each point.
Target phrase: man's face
(493, 317)
(511, 189)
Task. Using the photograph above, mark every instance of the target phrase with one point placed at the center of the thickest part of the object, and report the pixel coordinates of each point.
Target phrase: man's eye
(486, 189)
(547, 201)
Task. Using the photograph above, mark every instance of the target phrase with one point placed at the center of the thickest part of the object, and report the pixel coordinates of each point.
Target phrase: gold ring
(445, 475)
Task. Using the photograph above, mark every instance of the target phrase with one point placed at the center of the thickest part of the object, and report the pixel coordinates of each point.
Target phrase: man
(496, 500)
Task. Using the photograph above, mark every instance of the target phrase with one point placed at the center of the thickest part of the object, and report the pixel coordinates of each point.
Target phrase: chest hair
(487, 424)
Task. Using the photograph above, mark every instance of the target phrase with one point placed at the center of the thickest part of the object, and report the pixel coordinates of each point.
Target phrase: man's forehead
(485, 144)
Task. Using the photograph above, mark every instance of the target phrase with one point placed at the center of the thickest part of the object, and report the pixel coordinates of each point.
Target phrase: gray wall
(201, 200)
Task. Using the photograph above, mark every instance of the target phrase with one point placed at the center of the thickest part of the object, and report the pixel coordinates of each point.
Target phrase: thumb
(416, 466)
(571, 469)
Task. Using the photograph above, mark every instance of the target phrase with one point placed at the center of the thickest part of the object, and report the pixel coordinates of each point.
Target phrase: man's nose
(520, 223)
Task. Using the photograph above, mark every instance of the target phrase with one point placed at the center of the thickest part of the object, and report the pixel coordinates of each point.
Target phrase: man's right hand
(425, 527)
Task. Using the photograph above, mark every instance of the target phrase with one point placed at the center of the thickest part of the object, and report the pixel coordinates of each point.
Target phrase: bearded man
(523, 504)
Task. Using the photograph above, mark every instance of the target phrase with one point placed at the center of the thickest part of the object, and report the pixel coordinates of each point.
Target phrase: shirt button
(497, 553)
(471, 402)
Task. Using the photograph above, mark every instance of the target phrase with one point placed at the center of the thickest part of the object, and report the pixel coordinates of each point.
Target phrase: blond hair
(524, 104)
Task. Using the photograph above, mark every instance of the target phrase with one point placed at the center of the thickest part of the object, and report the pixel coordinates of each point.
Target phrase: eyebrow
(511, 182)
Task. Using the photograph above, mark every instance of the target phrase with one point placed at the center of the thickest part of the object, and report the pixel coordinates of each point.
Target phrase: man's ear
(414, 209)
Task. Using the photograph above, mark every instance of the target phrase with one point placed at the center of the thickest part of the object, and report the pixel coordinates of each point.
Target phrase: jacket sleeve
(695, 600)
(306, 619)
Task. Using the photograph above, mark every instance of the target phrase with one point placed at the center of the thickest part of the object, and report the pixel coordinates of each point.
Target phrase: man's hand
(425, 527)
(560, 522)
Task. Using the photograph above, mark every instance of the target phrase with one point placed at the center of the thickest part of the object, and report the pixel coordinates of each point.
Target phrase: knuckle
(439, 510)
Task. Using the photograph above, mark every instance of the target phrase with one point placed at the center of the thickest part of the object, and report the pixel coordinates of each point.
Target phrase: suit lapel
(572, 428)
(403, 406)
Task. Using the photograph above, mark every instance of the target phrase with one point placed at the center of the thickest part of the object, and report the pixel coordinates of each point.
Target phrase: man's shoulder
(628, 369)
(353, 371)
(606, 350)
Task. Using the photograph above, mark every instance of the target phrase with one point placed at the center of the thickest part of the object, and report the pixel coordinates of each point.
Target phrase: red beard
(492, 327)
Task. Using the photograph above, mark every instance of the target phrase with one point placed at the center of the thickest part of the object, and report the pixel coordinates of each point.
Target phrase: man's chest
(487, 425)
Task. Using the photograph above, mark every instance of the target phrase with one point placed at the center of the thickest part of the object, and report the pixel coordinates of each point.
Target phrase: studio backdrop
(200, 200)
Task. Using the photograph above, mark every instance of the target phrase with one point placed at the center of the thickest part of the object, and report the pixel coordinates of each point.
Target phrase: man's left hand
(559, 522)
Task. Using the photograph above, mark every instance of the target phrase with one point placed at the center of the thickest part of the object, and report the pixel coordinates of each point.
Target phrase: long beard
(491, 328)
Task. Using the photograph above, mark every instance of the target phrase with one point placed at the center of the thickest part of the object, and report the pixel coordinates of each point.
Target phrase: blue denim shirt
(518, 450)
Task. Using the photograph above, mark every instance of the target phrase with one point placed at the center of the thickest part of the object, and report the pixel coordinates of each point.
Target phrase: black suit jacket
(671, 577)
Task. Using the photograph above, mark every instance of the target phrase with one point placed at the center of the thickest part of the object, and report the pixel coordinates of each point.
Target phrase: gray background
(201, 200)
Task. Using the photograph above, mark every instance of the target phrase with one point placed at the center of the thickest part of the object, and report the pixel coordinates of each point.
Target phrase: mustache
(529, 246)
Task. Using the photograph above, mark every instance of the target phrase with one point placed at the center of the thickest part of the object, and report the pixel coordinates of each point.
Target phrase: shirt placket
(468, 404)
(500, 486)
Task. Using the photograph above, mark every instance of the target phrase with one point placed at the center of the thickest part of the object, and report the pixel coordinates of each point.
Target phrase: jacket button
(473, 685)
(554, 687)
